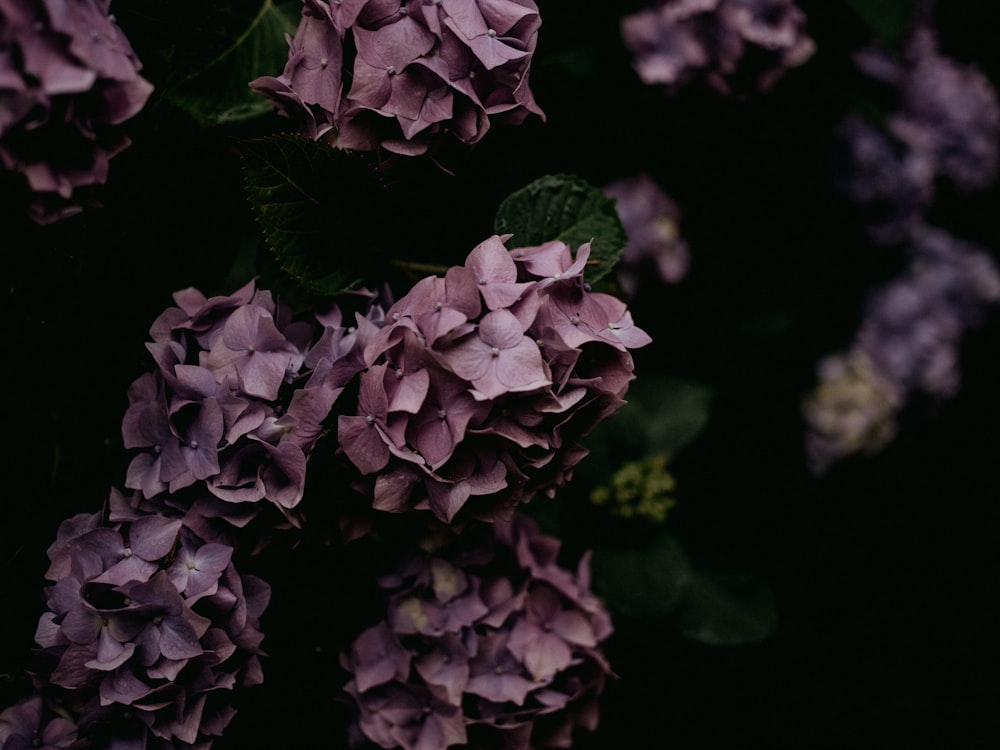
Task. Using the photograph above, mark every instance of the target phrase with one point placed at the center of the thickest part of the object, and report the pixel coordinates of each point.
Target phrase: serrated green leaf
(567, 208)
(311, 201)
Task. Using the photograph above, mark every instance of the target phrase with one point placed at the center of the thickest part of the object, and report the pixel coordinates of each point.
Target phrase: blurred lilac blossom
(908, 344)
(945, 125)
(737, 46)
(650, 218)
(68, 80)
(400, 76)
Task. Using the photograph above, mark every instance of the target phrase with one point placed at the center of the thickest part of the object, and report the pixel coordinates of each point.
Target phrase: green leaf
(887, 19)
(220, 92)
(657, 579)
(567, 208)
(312, 201)
(726, 611)
(642, 580)
(204, 67)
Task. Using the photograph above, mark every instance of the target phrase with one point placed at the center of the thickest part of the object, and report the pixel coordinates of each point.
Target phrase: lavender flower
(68, 80)
(146, 624)
(487, 642)
(400, 76)
(31, 724)
(908, 344)
(238, 399)
(650, 218)
(678, 41)
(480, 385)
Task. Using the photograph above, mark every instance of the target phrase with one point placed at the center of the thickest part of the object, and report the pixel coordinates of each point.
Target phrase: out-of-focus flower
(480, 385)
(737, 46)
(68, 80)
(487, 642)
(908, 344)
(954, 107)
(650, 218)
(368, 74)
(852, 410)
(945, 125)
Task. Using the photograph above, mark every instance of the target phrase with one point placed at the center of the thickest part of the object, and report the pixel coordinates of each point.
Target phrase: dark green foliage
(568, 208)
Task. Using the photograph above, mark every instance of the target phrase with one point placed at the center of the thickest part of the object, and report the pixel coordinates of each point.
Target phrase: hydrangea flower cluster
(68, 80)
(480, 383)
(237, 400)
(736, 46)
(148, 629)
(368, 74)
(488, 645)
(946, 126)
(908, 343)
(650, 218)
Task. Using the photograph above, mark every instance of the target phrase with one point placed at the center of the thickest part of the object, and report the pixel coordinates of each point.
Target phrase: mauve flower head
(68, 80)
(650, 218)
(402, 76)
(147, 626)
(737, 46)
(480, 385)
(487, 642)
(239, 396)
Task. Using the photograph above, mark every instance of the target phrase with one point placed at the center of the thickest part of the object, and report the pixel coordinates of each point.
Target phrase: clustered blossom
(736, 46)
(485, 645)
(946, 125)
(401, 74)
(148, 629)
(68, 80)
(908, 344)
(238, 399)
(650, 218)
(480, 383)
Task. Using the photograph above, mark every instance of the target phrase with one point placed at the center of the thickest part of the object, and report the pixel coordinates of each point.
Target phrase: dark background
(884, 573)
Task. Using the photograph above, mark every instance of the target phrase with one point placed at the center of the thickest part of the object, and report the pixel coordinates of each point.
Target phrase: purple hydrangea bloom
(400, 76)
(30, 725)
(146, 625)
(480, 385)
(487, 642)
(238, 398)
(650, 218)
(719, 41)
(68, 80)
(907, 345)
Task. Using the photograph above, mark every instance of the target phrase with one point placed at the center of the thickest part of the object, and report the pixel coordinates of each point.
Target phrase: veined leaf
(311, 200)
(202, 56)
(220, 92)
(567, 208)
